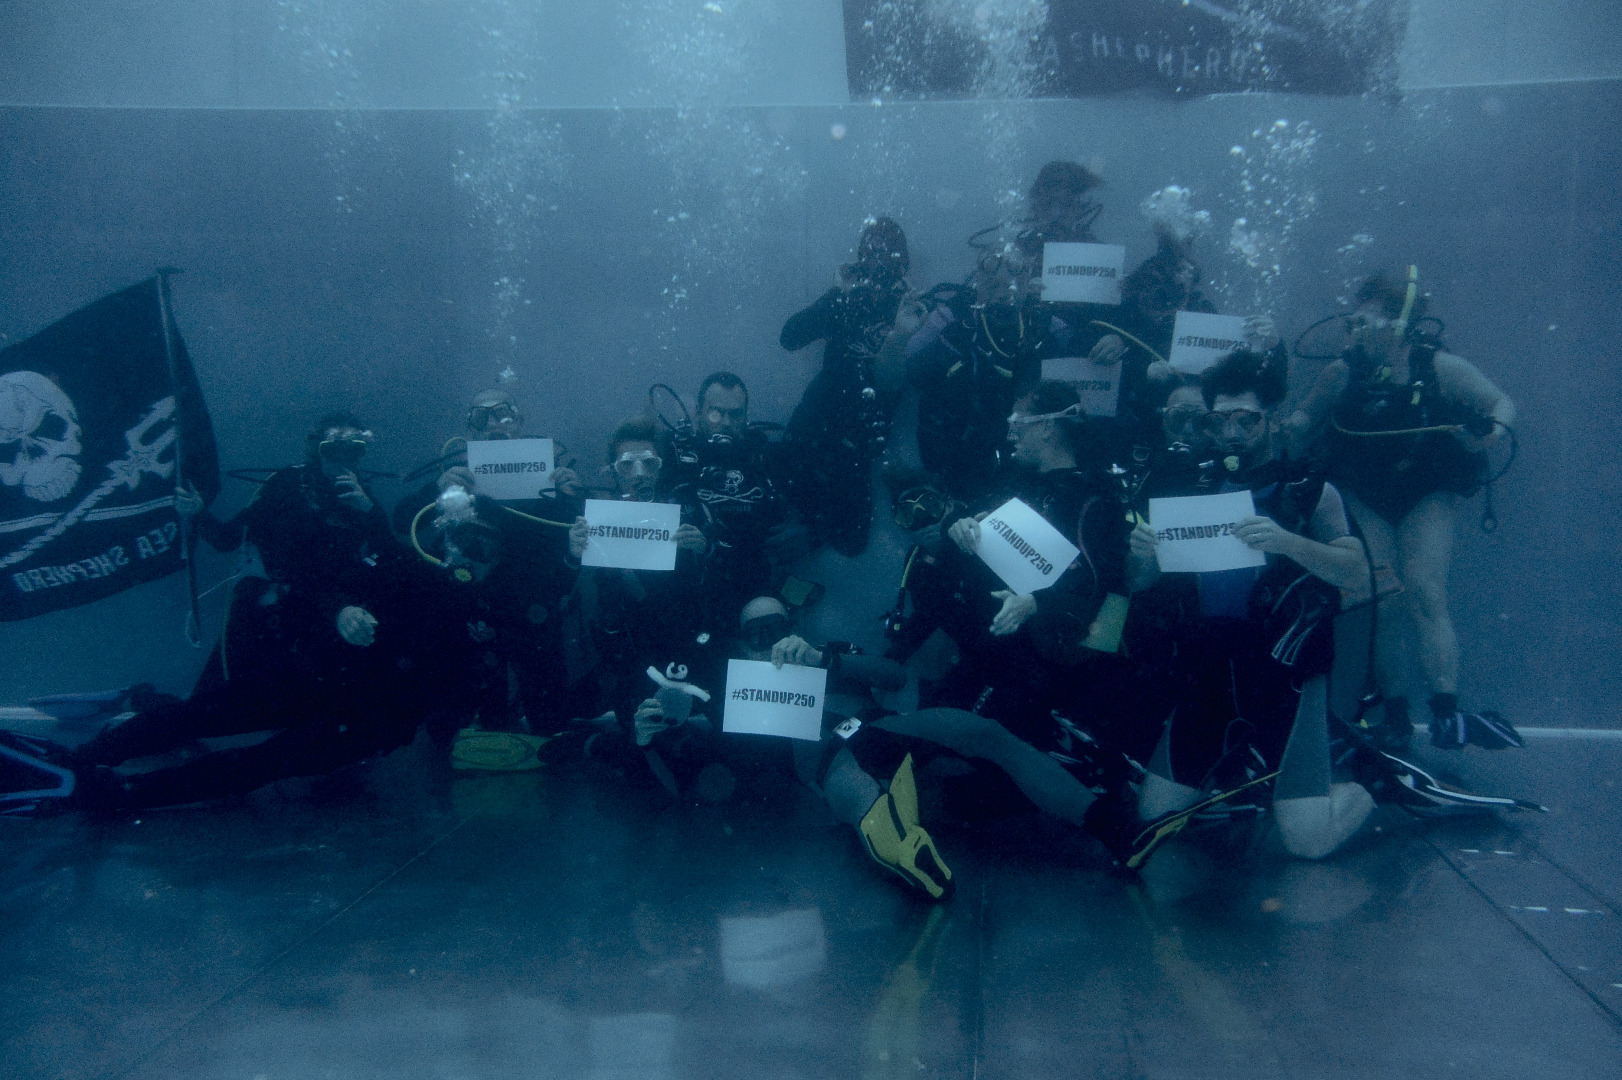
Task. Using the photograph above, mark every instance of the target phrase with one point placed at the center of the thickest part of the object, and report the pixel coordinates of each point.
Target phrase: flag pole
(188, 528)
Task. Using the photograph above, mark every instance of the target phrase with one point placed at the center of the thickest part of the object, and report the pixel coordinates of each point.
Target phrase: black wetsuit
(1156, 622)
(841, 423)
(733, 490)
(521, 603)
(617, 622)
(282, 665)
(1391, 473)
(1020, 678)
(969, 364)
(1247, 639)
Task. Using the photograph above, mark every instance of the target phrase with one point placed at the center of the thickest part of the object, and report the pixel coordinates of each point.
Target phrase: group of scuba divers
(1123, 701)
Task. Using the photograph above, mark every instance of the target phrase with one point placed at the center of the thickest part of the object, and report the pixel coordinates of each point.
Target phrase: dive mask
(344, 446)
(922, 506)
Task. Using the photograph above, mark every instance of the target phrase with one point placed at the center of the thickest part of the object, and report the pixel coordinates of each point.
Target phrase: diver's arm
(890, 366)
(811, 324)
(1329, 553)
(1339, 562)
(1462, 382)
(1314, 410)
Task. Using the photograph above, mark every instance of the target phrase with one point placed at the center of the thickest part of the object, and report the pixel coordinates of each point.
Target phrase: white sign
(1098, 385)
(767, 700)
(1196, 533)
(1022, 548)
(1200, 339)
(631, 535)
(510, 469)
(1082, 273)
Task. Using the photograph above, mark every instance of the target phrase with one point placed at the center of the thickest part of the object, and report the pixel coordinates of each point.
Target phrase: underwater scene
(810, 538)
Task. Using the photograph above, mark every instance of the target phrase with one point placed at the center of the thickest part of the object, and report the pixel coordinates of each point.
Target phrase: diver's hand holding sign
(1265, 534)
(794, 649)
(1107, 350)
(965, 533)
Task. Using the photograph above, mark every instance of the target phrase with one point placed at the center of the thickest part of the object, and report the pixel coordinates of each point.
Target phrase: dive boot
(892, 835)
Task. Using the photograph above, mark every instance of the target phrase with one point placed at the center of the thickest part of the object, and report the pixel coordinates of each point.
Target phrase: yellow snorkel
(1401, 323)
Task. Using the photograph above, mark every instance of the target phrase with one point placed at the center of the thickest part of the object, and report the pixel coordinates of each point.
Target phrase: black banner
(948, 49)
(96, 413)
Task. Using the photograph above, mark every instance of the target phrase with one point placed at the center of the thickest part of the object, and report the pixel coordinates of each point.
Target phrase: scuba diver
(1046, 665)
(1062, 210)
(1405, 428)
(1151, 296)
(868, 764)
(1254, 645)
(491, 415)
(320, 541)
(617, 621)
(327, 646)
(982, 344)
(840, 426)
(730, 483)
(978, 349)
(507, 574)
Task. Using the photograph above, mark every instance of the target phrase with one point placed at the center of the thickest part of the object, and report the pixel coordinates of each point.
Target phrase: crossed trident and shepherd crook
(142, 459)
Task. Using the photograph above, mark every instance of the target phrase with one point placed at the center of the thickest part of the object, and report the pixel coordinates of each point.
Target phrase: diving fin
(897, 842)
(31, 779)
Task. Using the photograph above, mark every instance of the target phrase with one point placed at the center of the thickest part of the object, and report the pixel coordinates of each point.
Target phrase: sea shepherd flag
(100, 418)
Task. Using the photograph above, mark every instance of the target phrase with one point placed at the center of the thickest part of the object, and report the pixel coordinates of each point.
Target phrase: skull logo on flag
(37, 416)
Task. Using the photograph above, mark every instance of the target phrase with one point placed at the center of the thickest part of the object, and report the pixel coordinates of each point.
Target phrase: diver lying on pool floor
(866, 765)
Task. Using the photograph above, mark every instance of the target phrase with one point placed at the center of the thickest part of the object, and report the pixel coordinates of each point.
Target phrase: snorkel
(1400, 326)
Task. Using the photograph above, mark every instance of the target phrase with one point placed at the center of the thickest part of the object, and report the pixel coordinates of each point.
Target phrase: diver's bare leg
(1425, 551)
(1394, 614)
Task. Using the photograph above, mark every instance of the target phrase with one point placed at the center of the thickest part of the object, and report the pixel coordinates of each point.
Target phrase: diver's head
(1046, 427)
(723, 407)
(1183, 420)
(1244, 391)
(1165, 282)
(1059, 201)
(763, 623)
(493, 415)
(881, 254)
(1388, 306)
(635, 460)
(1006, 277)
(337, 443)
